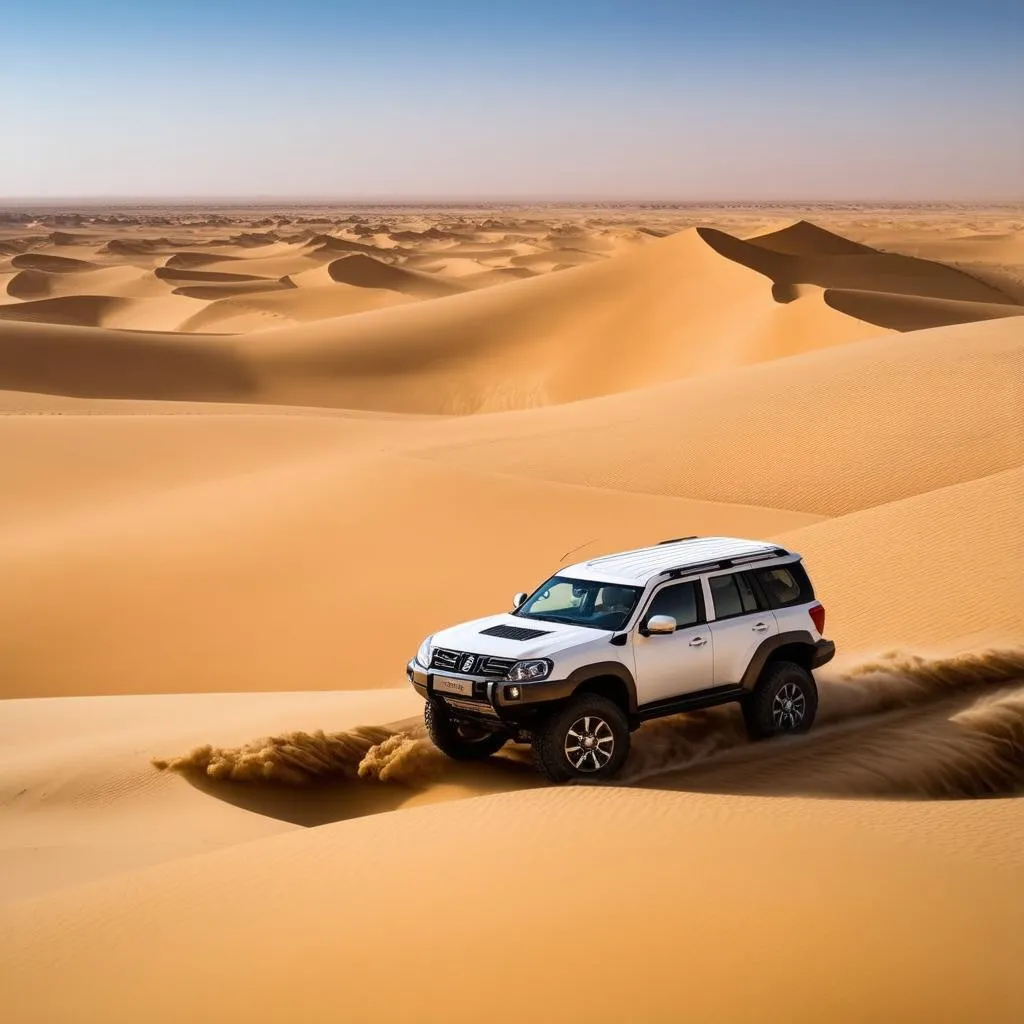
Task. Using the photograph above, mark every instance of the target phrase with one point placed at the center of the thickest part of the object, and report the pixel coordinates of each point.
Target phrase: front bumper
(489, 700)
(824, 652)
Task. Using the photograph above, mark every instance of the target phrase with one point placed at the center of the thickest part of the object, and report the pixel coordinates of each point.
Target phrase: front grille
(481, 664)
(496, 666)
(448, 660)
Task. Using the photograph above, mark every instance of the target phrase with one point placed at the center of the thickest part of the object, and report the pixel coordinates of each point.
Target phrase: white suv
(605, 645)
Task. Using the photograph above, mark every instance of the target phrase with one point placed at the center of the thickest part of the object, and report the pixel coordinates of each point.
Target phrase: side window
(726, 596)
(680, 601)
(747, 597)
(786, 585)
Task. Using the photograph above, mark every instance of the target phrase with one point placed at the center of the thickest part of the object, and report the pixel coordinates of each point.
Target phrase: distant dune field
(251, 458)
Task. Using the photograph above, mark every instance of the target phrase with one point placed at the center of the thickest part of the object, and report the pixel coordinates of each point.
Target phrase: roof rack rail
(676, 540)
(725, 563)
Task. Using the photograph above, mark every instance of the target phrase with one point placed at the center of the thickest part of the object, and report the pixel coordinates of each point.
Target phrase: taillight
(817, 614)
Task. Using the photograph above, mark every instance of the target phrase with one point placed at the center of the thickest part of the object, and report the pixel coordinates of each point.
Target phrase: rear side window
(747, 598)
(735, 595)
(785, 585)
(726, 596)
(681, 601)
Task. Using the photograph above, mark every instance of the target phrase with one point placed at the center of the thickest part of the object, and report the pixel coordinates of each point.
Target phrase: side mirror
(659, 625)
(519, 599)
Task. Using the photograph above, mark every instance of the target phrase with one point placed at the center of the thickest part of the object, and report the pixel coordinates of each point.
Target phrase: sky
(714, 100)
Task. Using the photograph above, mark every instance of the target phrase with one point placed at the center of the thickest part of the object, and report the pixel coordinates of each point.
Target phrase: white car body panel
(734, 641)
(666, 666)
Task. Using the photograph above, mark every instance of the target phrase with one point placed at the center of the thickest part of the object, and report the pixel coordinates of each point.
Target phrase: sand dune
(251, 457)
(138, 246)
(51, 264)
(119, 281)
(104, 363)
(911, 589)
(206, 284)
(326, 245)
(861, 282)
(216, 290)
(509, 333)
(67, 238)
(192, 260)
(180, 276)
(362, 271)
(806, 239)
(912, 312)
(859, 270)
(880, 409)
(81, 310)
(669, 298)
(278, 307)
(350, 886)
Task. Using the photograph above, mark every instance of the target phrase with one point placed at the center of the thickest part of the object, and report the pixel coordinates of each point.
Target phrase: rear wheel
(785, 700)
(461, 740)
(588, 739)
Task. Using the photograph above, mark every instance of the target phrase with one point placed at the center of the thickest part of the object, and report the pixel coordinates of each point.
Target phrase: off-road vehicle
(607, 644)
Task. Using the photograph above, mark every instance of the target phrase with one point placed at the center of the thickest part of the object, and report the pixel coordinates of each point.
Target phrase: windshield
(581, 603)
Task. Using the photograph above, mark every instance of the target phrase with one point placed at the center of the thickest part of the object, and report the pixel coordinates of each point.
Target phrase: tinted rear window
(785, 585)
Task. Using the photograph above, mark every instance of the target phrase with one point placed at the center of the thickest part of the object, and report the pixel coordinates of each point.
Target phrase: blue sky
(563, 99)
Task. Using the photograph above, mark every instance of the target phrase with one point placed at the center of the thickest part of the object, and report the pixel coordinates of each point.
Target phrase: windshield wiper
(562, 622)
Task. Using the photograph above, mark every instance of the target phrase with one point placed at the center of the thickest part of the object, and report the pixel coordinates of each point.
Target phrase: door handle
(759, 626)
(698, 641)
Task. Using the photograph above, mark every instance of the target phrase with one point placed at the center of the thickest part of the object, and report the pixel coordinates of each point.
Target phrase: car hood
(468, 636)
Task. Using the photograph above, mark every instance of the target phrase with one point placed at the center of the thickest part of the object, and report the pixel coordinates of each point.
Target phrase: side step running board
(690, 702)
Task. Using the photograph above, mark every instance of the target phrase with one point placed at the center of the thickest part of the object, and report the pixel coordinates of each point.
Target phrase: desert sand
(251, 456)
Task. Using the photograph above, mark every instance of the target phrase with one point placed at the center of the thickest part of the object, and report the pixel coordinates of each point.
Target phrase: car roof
(642, 564)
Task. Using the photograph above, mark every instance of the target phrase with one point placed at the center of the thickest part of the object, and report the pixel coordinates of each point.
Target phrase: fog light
(513, 693)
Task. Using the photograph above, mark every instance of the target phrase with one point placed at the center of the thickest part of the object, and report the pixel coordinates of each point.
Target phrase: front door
(671, 664)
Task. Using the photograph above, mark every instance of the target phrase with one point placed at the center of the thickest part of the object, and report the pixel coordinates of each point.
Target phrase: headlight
(527, 671)
(423, 654)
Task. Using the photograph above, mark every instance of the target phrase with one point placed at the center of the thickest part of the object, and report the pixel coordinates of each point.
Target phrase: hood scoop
(515, 632)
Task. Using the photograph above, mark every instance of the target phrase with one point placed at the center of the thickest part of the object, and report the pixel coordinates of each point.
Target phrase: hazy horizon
(528, 102)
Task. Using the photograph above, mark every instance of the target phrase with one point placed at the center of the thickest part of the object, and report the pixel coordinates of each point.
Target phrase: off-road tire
(457, 739)
(785, 700)
(551, 738)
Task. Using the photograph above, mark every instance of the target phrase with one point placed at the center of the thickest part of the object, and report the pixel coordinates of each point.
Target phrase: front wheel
(587, 740)
(462, 741)
(785, 700)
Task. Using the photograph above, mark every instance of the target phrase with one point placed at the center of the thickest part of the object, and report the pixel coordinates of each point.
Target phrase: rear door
(789, 593)
(739, 622)
(679, 662)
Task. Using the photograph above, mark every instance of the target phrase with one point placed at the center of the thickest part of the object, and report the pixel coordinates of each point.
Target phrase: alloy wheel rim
(589, 744)
(789, 707)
